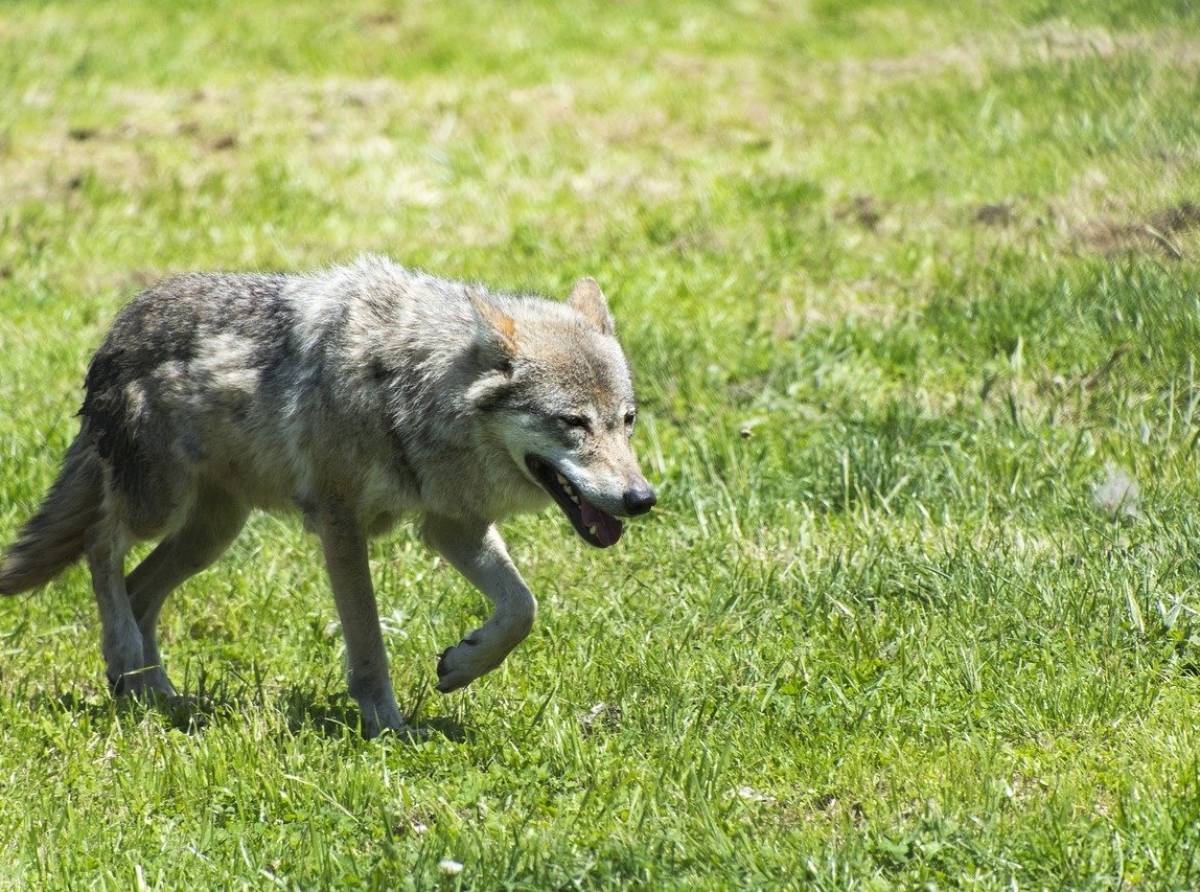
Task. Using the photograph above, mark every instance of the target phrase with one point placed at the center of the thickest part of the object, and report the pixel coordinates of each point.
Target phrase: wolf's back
(53, 538)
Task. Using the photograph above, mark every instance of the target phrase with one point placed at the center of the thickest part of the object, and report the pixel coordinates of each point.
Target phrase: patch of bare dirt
(865, 210)
(1179, 218)
(1159, 232)
(380, 17)
(998, 214)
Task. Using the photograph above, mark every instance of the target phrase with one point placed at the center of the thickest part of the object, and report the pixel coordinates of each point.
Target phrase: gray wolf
(355, 396)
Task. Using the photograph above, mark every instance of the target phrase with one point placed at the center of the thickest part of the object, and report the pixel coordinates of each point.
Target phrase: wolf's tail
(53, 538)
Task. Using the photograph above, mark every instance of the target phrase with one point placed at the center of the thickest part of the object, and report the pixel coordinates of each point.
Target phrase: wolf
(356, 396)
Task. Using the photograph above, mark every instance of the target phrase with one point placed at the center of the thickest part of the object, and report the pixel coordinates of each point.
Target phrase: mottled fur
(355, 396)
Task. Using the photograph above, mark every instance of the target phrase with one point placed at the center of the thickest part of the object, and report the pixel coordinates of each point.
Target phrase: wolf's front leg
(477, 551)
(345, 548)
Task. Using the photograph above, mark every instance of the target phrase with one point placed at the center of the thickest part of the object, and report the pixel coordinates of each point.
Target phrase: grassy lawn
(912, 296)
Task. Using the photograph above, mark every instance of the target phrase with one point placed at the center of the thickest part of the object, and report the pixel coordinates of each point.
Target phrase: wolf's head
(557, 397)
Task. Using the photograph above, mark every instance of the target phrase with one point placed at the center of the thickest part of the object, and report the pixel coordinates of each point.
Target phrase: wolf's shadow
(305, 709)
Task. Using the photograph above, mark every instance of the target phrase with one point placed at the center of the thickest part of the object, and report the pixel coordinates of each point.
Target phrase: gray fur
(355, 396)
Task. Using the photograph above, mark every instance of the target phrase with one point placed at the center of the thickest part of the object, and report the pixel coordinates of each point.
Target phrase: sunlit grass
(902, 287)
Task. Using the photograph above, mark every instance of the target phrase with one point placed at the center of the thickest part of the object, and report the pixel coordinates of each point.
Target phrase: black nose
(639, 499)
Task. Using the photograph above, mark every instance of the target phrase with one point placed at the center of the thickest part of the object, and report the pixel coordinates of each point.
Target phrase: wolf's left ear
(587, 300)
(496, 329)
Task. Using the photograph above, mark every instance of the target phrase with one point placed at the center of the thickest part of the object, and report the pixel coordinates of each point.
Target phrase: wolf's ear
(587, 300)
(495, 330)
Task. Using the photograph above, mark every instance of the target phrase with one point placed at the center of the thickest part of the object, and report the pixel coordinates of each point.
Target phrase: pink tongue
(608, 528)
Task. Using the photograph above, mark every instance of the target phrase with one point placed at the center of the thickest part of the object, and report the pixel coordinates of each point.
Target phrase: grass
(902, 287)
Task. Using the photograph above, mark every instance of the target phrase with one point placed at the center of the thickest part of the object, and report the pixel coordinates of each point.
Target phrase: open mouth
(594, 526)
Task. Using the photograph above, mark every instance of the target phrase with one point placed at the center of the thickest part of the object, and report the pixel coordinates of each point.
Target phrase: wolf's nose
(639, 499)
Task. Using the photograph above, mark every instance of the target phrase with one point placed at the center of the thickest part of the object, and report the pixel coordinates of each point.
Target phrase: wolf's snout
(639, 498)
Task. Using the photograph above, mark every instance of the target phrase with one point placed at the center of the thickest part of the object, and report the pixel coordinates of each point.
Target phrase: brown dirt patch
(998, 214)
(1179, 218)
(1159, 232)
(865, 210)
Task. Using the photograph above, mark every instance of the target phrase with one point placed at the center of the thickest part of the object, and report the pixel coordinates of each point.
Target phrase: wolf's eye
(575, 422)
(630, 419)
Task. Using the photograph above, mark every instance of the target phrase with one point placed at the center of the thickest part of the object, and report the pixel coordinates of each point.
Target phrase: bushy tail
(53, 539)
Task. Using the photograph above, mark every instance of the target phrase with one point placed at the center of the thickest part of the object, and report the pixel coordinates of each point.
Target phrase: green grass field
(911, 292)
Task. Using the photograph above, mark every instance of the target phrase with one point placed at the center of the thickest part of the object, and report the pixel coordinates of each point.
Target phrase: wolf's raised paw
(452, 675)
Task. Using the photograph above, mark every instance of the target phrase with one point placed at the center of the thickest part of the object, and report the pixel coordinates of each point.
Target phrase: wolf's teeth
(561, 479)
(593, 529)
(575, 498)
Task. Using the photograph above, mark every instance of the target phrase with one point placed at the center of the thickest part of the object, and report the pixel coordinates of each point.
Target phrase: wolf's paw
(406, 733)
(380, 717)
(457, 666)
(148, 685)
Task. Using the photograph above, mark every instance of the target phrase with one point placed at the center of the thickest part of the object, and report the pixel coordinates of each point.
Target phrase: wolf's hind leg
(212, 524)
(121, 641)
(345, 547)
(478, 553)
